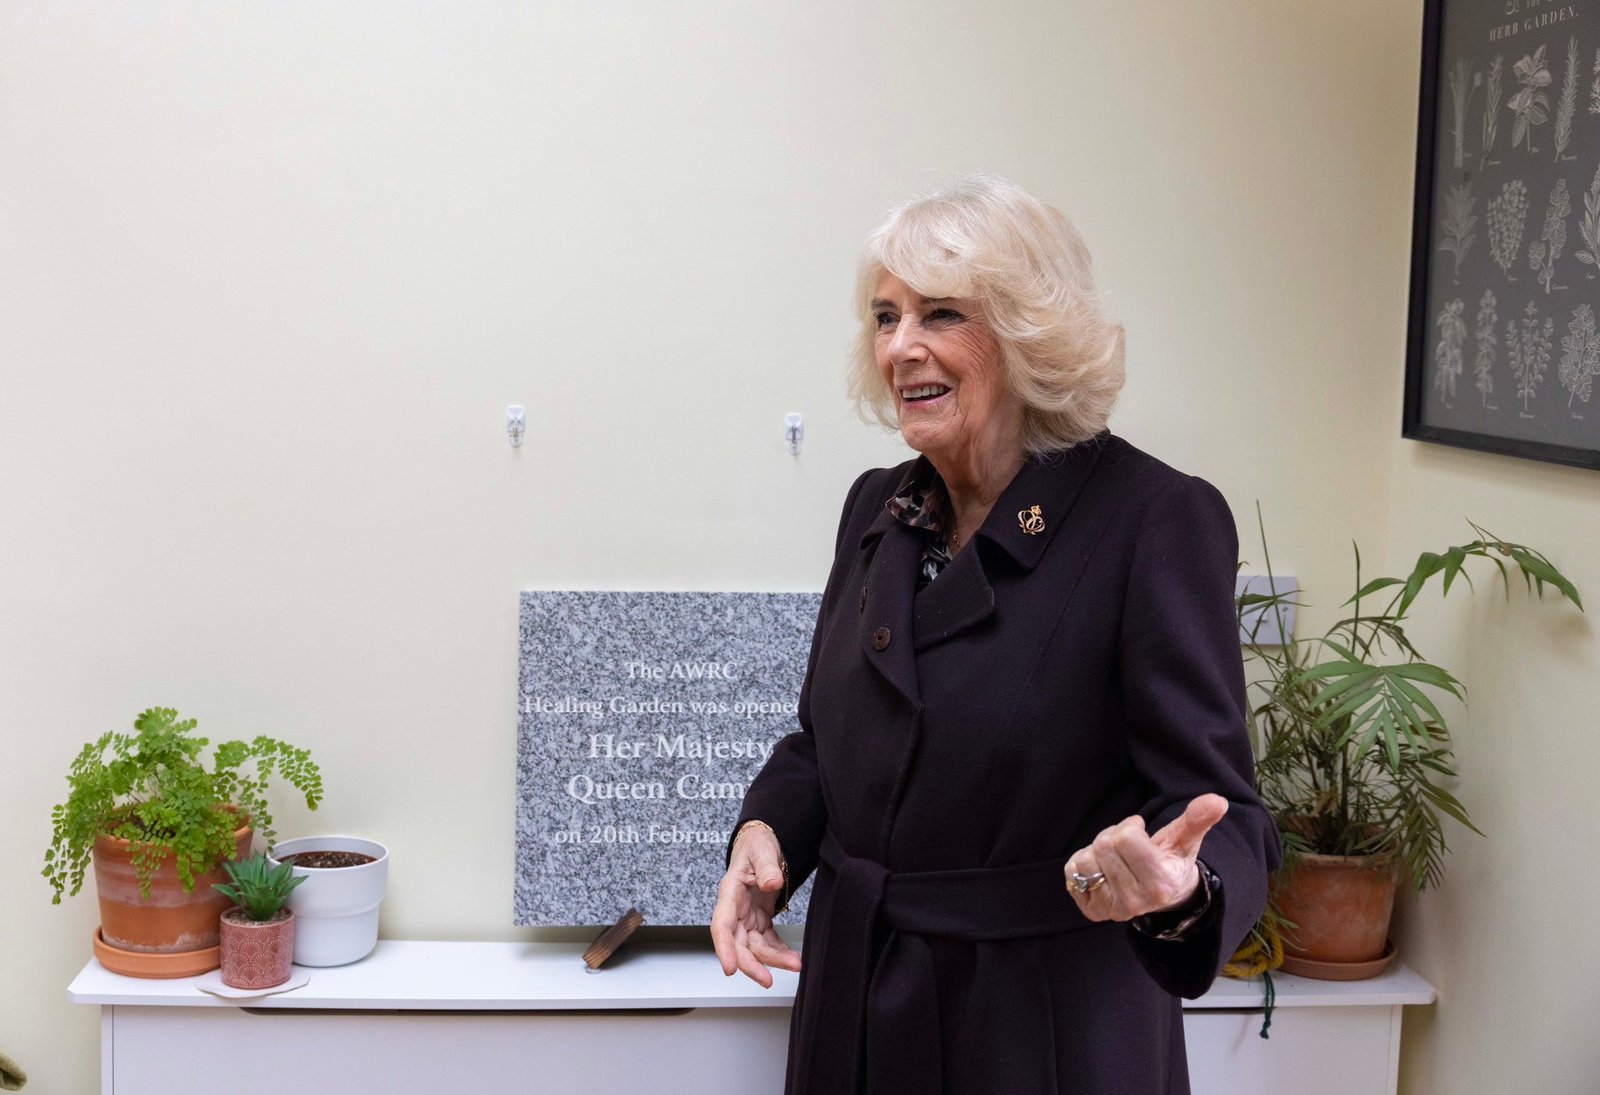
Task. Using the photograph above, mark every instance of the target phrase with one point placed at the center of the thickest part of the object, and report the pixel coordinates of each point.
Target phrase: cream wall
(269, 275)
(1506, 939)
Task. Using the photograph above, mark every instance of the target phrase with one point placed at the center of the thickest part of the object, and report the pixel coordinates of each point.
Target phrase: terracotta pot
(257, 954)
(1340, 906)
(171, 920)
(137, 964)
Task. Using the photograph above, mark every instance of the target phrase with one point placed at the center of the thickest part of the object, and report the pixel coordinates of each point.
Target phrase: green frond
(1353, 749)
(153, 789)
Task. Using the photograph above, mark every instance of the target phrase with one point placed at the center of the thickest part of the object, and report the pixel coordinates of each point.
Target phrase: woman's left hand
(1144, 873)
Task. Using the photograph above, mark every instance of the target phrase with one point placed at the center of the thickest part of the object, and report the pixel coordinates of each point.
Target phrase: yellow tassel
(1262, 951)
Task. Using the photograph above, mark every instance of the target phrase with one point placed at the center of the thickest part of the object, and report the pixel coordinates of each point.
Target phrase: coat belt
(875, 1026)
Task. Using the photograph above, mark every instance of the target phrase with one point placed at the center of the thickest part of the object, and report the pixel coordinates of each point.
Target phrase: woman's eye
(885, 320)
(944, 315)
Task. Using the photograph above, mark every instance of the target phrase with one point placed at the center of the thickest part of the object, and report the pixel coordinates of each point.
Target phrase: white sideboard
(528, 1017)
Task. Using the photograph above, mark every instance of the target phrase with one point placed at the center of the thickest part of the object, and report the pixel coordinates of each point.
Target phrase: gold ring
(1084, 883)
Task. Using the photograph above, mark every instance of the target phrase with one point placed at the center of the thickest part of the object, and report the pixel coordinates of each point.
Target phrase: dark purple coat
(957, 744)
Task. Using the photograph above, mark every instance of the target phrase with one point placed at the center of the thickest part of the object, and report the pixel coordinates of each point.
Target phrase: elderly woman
(1022, 776)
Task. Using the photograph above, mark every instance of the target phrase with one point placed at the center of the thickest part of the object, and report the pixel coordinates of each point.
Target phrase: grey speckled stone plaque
(641, 719)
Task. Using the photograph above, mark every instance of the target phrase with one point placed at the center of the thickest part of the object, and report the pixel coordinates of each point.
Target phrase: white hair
(988, 239)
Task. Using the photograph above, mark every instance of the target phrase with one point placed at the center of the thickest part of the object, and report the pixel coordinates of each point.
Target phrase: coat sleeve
(787, 792)
(1184, 694)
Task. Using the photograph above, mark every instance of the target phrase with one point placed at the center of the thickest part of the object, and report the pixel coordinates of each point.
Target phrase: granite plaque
(641, 719)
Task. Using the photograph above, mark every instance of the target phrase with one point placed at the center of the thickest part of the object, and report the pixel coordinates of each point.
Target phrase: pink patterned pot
(257, 954)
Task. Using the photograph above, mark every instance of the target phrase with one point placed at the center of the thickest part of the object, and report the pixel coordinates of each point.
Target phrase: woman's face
(942, 362)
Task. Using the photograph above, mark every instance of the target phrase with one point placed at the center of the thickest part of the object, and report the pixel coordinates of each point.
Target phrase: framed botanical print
(1503, 339)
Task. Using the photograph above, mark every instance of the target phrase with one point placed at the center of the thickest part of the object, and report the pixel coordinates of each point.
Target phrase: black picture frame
(1463, 22)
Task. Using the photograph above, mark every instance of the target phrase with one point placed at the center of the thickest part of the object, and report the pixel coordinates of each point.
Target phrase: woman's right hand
(741, 926)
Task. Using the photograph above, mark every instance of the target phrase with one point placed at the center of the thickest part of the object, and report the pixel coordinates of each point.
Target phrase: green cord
(1271, 1001)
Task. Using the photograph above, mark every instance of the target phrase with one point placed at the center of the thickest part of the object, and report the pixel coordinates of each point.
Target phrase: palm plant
(1353, 753)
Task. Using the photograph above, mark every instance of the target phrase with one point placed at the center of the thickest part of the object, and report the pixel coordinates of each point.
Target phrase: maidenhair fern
(152, 789)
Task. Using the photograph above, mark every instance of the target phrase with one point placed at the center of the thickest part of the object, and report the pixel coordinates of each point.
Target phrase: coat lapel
(959, 598)
(896, 621)
(1050, 482)
(886, 616)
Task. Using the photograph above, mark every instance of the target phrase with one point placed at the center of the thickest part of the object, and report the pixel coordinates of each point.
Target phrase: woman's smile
(924, 397)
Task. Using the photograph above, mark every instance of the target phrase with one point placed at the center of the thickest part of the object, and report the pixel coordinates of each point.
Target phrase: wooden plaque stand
(610, 941)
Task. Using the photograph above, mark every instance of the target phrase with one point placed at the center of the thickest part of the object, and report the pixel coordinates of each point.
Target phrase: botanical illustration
(1543, 252)
(1460, 224)
(1589, 226)
(1483, 364)
(1569, 100)
(1535, 94)
(1530, 105)
(1491, 106)
(1447, 351)
(1507, 214)
(1528, 353)
(1462, 81)
(1580, 357)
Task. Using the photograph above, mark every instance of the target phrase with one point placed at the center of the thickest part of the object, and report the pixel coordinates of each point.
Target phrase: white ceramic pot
(336, 907)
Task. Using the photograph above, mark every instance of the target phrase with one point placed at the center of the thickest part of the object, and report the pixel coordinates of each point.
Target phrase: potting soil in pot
(327, 860)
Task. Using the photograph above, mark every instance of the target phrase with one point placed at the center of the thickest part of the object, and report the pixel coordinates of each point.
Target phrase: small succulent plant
(259, 888)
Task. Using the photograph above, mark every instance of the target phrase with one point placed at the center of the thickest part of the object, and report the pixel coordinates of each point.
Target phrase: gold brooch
(1031, 520)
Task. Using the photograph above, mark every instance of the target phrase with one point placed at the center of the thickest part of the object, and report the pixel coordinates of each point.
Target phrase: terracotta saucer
(1339, 971)
(142, 964)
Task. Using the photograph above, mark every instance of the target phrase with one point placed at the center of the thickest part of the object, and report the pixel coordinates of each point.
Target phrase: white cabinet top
(417, 975)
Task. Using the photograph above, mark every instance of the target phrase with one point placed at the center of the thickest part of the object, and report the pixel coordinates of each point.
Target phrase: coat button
(863, 598)
(880, 639)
